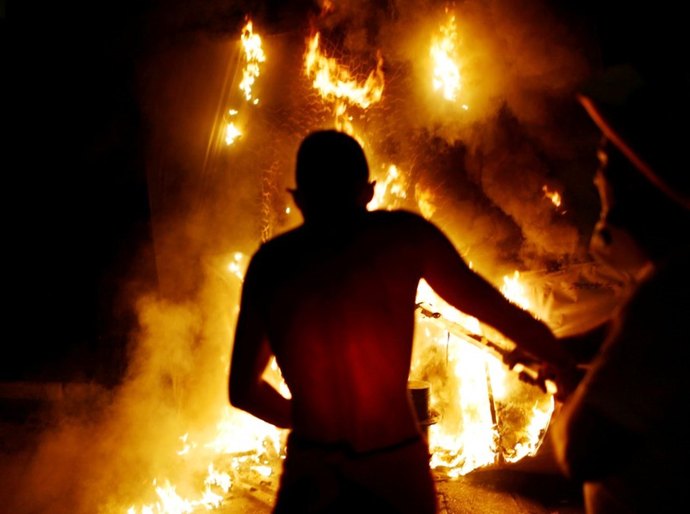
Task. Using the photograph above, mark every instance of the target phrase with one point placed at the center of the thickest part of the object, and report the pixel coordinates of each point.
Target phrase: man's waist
(347, 447)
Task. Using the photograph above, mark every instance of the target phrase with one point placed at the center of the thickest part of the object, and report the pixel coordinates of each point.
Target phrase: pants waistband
(346, 448)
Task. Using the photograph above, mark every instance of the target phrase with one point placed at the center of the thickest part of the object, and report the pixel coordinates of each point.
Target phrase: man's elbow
(240, 397)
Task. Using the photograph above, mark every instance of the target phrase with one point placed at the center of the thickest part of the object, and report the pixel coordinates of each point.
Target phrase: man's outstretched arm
(250, 355)
(447, 273)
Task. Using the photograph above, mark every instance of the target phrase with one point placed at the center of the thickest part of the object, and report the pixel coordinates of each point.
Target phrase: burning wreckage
(476, 410)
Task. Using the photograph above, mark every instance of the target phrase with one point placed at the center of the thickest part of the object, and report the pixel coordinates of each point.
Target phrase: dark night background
(78, 210)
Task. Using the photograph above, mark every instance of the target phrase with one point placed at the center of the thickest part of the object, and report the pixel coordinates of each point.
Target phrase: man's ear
(367, 193)
(296, 197)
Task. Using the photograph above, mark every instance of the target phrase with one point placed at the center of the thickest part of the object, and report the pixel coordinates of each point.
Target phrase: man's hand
(561, 381)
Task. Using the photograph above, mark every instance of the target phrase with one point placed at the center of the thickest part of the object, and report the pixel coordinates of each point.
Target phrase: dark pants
(332, 478)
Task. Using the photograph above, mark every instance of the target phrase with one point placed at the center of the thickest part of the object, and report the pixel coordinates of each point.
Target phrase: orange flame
(468, 436)
(554, 196)
(446, 73)
(389, 191)
(514, 290)
(337, 85)
(232, 133)
(253, 56)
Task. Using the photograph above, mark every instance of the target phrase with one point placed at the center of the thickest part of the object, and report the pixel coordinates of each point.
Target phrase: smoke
(103, 450)
(482, 163)
(519, 66)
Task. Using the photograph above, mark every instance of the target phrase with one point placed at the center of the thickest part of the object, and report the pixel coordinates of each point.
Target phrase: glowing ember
(554, 196)
(446, 74)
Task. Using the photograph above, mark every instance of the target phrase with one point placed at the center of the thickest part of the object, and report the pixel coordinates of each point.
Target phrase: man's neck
(335, 218)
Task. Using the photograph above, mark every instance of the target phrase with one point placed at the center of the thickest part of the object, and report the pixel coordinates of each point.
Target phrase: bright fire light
(254, 56)
(337, 84)
(554, 196)
(232, 133)
(514, 290)
(446, 73)
(389, 191)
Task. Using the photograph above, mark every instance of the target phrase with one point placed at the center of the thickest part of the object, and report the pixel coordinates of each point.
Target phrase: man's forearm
(535, 338)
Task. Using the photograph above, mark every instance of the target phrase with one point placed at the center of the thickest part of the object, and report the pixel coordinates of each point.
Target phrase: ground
(531, 486)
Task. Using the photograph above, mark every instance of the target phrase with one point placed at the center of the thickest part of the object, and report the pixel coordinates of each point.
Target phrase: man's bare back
(339, 314)
(334, 301)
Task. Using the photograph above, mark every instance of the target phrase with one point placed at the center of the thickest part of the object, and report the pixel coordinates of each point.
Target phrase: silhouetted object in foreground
(334, 301)
(623, 432)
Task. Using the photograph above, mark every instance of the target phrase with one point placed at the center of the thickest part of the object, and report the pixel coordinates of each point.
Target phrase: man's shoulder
(270, 254)
(409, 226)
(400, 217)
(279, 243)
(406, 224)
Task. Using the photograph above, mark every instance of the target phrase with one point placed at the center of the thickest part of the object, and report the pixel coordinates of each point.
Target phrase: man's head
(332, 175)
(643, 178)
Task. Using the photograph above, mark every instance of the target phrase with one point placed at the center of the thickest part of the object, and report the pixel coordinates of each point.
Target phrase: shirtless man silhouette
(334, 301)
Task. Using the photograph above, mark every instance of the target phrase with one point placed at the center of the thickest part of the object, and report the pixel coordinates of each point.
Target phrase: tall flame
(337, 85)
(253, 56)
(446, 73)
